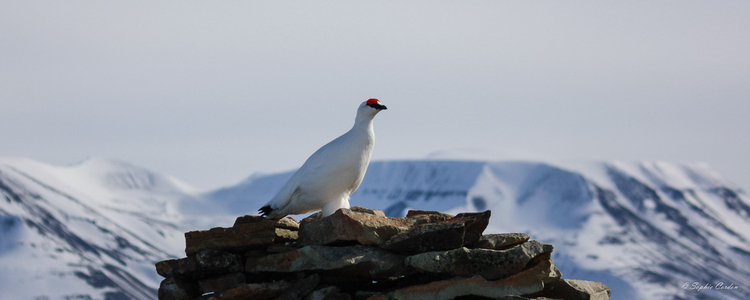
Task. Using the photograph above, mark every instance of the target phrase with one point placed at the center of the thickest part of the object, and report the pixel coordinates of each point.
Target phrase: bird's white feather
(331, 174)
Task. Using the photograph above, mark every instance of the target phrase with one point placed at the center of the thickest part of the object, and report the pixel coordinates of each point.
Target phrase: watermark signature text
(698, 286)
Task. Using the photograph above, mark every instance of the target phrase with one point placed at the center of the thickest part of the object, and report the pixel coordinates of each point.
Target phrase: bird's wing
(284, 195)
(326, 157)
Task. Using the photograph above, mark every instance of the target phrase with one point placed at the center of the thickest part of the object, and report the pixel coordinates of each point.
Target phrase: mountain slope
(93, 230)
(648, 230)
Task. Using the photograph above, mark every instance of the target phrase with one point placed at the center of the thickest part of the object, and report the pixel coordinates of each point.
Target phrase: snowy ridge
(647, 230)
(92, 230)
(644, 229)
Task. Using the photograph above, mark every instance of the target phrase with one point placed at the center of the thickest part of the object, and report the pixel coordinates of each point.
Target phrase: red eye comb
(372, 101)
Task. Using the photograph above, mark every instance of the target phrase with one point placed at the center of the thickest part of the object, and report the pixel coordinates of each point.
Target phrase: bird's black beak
(377, 106)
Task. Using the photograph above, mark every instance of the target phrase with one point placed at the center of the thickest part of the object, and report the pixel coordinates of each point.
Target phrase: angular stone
(576, 290)
(328, 293)
(356, 261)
(526, 282)
(175, 267)
(254, 291)
(427, 237)
(366, 210)
(501, 241)
(241, 237)
(221, 283)
(414, 213)
(594, 290)
(176, 289)
(419, 217)
(459, 231)
(364, 226)
(250, 219)
(204, 264)
(490, 264)
(218, 262)
(285, 223)
(475, 224)
(301, 288)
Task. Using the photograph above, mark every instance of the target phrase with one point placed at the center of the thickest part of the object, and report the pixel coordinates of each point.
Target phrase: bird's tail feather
(265, 210)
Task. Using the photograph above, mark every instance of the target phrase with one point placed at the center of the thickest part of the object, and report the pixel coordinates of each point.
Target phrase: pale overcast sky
(212, 91)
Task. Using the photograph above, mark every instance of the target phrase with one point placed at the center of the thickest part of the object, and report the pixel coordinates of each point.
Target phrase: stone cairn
(360, 253)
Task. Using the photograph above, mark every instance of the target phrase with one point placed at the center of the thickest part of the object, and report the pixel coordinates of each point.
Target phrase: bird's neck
(364, 124)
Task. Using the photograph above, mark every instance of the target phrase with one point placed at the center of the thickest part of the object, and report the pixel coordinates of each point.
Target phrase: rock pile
(360, 253)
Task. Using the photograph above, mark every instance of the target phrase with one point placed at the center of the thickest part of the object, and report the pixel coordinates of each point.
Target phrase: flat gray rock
(490, 264)
(501, 241)
(357, 261)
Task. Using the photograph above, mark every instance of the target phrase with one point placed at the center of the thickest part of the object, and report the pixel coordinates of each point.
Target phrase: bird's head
(374, 103)
(368, 109)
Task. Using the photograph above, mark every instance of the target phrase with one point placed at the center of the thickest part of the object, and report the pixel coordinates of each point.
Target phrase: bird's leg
(331, 207)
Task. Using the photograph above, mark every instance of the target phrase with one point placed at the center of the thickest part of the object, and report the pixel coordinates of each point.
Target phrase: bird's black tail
(265, 210)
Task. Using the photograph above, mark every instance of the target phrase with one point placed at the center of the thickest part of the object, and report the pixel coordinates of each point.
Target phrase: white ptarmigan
(329, 177)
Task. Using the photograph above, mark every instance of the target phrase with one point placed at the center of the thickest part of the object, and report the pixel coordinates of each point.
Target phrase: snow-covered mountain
(89, 231)
(648, 230)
